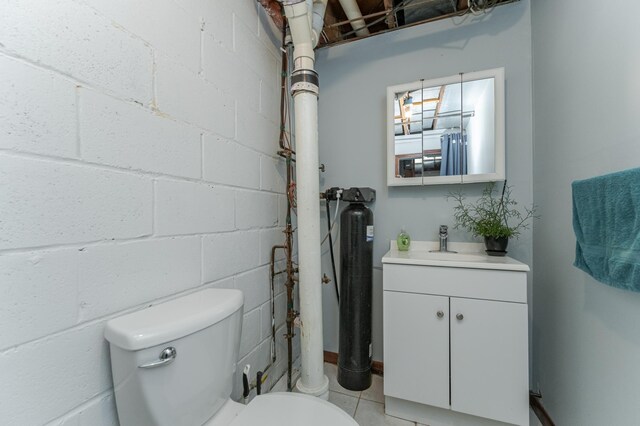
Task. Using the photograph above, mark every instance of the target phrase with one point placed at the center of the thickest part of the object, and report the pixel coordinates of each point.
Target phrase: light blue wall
(587, 108)
(352, 126)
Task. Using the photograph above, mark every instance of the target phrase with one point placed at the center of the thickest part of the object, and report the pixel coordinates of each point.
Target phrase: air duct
(305, 23)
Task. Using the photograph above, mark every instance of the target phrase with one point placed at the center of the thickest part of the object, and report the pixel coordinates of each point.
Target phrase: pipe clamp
(304, 80)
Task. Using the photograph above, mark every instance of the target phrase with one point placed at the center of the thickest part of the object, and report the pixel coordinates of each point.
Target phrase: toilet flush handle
(167, 356)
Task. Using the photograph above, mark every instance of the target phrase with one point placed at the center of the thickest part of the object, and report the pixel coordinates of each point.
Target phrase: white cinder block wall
(137, 163)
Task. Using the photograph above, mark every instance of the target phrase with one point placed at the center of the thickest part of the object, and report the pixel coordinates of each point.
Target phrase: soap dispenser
(403, 240)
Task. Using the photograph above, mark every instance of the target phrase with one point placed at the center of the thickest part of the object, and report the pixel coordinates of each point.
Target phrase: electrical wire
(333, 261)
(333, 223)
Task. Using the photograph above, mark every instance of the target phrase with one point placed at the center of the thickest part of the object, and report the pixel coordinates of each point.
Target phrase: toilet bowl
(174, 364)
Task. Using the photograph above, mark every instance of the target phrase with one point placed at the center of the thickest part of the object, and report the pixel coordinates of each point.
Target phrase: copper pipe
(287, 153)
(290, 283)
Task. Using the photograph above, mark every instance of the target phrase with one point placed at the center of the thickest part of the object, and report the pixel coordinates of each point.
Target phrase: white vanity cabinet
(456, 343)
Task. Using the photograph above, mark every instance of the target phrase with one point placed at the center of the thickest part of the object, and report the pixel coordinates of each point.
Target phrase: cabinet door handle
(440, 314)
(460, 317)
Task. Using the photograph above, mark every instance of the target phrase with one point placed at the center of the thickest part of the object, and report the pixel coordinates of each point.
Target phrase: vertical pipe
(305, 93)
(312, 378)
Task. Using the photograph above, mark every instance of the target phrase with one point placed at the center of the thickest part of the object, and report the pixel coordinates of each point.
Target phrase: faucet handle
(444, 229)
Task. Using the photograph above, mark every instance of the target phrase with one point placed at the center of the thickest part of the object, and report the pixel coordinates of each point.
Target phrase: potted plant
(495, 218)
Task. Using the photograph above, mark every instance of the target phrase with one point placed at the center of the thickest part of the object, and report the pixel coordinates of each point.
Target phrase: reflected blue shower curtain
(454, 154)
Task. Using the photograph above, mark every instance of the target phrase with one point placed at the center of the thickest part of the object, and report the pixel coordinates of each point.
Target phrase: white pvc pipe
(317, 20)
(312, 378)
(352, 10)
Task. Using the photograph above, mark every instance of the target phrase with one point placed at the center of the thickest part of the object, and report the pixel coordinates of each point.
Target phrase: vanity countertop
(469, 255)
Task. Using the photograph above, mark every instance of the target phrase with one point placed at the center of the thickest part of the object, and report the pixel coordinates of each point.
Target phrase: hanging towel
(606, 221)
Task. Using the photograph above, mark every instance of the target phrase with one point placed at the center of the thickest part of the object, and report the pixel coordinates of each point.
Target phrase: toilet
(173, 364)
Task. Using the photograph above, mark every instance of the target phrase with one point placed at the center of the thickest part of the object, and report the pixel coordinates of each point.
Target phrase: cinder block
(281, 344)
(38, 110)
(229, 253)
(280, 279)
(273, 174)
(74, 39)
(268, 33)
(256, 209)
(217, 17)
(121, 134)
(227, 72)
(256, 287)
(51, 376)
(101, 411)
(113, 277)
(270, 101)
(149, 19)
(282, 210)
(258, 358)
(256, 131)
(227, 162)
(245, 12)
(223, 283)
(253, 52)
(250, 332)
(185, 95)
(38, 292)
(281, 309)
(192, 208)
(54, 203)
(265, 320)
(269, 238)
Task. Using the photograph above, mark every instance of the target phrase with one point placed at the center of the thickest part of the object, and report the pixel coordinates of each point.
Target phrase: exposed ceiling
(387, 15)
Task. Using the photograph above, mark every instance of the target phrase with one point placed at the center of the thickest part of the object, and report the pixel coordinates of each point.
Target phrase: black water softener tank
(356, 282)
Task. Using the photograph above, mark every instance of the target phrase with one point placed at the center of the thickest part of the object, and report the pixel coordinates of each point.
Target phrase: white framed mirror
(446, 130)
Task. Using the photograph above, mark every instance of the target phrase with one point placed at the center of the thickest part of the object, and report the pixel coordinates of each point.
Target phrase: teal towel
(606, 221)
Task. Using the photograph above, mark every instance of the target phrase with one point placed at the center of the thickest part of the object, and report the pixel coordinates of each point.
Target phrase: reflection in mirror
(450, 127)
(479, 126)
(407, 119)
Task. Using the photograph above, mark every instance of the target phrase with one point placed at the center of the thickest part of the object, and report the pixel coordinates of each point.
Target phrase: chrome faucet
(444, 237)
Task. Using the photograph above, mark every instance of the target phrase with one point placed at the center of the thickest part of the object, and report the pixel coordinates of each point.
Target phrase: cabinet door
(416, 347)
(489, 359)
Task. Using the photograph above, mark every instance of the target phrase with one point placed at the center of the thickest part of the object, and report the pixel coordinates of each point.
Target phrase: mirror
(447, 130)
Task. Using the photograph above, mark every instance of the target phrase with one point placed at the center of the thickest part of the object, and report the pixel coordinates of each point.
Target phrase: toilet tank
(204, 329)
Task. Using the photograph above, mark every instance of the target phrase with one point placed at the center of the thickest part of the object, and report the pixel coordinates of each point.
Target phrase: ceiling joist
(382, 16)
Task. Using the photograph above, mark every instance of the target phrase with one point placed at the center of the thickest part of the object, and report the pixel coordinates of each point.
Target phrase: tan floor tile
(331, 370)
(371, 413)
(375, 392)
(346, 402)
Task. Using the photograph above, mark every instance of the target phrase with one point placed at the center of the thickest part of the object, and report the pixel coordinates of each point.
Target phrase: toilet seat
(291, 409)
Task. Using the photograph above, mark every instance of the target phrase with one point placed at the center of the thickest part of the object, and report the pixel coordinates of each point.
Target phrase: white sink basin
(469, 255)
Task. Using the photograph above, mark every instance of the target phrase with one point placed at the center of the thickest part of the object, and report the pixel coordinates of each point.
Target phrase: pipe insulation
(354, 15)
(304, 87)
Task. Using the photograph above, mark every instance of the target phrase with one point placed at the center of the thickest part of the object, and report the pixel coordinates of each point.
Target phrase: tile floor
(367, 407)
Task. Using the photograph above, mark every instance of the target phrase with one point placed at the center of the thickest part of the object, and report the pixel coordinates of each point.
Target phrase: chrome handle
(460, 317)
(167, 356)
(440, 314)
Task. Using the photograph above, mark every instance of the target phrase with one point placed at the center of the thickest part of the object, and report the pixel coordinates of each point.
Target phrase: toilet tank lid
(172, 320)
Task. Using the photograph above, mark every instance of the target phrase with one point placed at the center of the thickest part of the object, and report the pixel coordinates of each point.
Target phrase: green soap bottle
(403, 240)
